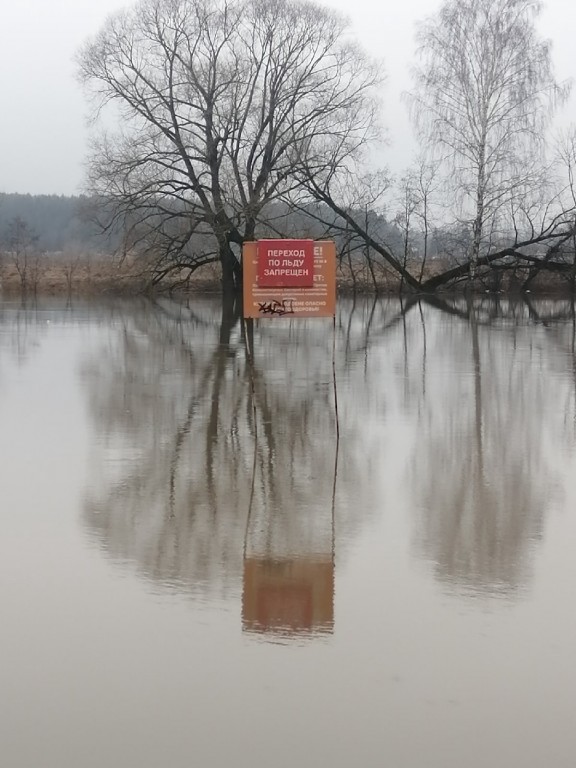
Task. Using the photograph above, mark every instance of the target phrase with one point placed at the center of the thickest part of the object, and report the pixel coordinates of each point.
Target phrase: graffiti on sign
(283, 307)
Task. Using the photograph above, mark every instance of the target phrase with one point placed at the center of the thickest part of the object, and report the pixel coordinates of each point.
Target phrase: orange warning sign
(315, 300)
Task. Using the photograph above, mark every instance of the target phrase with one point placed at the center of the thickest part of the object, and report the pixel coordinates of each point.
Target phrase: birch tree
(484, 95)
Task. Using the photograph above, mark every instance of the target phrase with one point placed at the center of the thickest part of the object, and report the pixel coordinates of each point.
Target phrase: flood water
(205, 562)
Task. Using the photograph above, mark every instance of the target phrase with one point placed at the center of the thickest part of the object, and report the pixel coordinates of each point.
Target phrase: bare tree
(425, 184)
(221, 102)
(21, 245)
(415, 199)
(484, 94)
(407, 205)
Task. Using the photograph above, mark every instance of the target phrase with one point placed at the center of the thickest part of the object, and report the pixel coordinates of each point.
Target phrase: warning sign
(271, 300)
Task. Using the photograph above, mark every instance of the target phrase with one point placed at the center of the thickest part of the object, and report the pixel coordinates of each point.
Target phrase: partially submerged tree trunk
(231, 270)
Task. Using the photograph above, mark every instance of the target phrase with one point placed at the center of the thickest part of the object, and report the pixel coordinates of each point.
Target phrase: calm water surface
(204, 563)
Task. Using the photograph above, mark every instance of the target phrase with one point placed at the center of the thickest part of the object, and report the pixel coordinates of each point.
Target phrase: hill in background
(60, 223)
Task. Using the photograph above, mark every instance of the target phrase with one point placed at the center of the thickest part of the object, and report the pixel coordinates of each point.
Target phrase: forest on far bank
(50, 241)
(57, 242)
(56, 223)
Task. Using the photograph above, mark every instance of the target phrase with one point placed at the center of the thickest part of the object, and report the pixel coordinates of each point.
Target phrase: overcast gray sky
(43, 127)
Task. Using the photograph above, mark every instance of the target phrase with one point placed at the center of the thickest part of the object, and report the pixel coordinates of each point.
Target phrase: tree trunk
(231, 271)
(479, 217)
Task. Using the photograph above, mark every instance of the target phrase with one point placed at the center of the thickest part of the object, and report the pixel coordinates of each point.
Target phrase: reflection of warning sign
(288, 606)
(288, 596)
(285, 263)
(317, 299)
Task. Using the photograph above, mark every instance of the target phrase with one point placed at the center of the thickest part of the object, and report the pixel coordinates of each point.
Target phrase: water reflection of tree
(483, 469)
(152, 387)
(190, 438)
(179, 413)
(21, 330)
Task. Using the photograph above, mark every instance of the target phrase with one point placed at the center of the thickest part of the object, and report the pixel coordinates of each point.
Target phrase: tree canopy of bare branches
(484, 94)
(222, 103)
(484, 97)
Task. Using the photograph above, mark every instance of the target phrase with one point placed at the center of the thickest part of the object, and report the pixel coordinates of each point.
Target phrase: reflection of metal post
(248, 333)
(286, 594)
(289, 542)
(290, 596)
(334, 380)
(337, 442)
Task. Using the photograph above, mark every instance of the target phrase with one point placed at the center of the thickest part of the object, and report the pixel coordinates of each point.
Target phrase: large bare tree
(484, 95)
(222, 101)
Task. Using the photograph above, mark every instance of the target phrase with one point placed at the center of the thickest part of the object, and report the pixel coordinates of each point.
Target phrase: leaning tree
(222, 103)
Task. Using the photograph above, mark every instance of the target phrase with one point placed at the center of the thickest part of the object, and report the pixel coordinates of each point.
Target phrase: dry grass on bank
(67, 273)
(89, 274)
(82, 274)
(85, 274)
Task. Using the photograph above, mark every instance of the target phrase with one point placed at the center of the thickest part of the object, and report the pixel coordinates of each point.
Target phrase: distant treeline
(59, 223)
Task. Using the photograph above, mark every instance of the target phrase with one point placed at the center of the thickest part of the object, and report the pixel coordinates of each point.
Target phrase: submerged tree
(484, 95)
(221, 103)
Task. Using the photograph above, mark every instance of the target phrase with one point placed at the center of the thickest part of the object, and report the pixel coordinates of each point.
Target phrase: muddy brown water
(203, 562)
